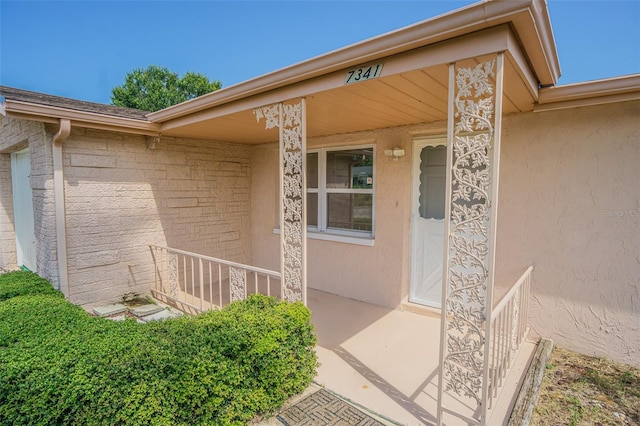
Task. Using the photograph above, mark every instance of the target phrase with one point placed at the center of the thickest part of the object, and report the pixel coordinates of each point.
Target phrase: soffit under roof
(528, 18)
(412, 89)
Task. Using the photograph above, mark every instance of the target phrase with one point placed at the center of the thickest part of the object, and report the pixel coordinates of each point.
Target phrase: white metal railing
(202, 283)
(509, 326)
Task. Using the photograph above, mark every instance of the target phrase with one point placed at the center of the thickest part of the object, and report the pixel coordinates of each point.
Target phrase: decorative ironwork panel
(172, 274)
(515, 316)
(469, 238)
(271, 114)
(237, 283)
(290, 120)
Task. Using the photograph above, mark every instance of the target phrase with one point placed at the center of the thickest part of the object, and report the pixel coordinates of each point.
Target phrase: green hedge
(58, 365)
(20, 283)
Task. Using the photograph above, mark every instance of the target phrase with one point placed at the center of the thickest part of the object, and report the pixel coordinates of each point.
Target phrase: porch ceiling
(412, 89)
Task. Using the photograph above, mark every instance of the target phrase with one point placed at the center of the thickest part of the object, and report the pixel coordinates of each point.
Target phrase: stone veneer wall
(125, 192)
(16, 135)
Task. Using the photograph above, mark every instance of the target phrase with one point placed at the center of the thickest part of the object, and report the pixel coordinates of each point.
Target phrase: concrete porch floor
(387, 360)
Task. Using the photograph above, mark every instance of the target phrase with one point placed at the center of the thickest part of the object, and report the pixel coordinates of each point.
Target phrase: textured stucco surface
(377, 274)
(265, 248)
(570, 205)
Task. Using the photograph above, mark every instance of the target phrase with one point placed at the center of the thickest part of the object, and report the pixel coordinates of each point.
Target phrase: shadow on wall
(126, 192)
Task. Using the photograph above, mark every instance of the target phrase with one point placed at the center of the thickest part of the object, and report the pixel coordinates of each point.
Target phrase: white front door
(427, 220)
(23, 209)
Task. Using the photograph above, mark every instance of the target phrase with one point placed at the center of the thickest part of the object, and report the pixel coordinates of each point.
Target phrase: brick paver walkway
(325, 409)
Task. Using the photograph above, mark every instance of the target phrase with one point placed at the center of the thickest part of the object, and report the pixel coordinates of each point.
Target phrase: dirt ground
(580, 390)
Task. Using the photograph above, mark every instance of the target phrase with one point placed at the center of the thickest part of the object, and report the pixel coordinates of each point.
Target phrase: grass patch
(58, 365)
(582, 390)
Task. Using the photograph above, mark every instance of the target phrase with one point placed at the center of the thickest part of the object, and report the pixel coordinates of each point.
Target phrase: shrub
(58, 365)
(20, 283)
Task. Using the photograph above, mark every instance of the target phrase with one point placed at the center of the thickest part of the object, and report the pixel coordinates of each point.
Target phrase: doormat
(322, 408)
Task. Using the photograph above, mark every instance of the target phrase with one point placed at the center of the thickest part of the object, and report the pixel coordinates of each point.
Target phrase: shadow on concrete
(407, 402)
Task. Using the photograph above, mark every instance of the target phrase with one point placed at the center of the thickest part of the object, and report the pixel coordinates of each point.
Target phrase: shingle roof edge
(20, 95)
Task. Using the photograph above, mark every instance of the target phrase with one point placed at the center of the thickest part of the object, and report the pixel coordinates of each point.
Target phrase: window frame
(322, 230)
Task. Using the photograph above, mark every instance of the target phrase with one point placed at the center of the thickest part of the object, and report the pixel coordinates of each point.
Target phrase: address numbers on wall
(363, 73)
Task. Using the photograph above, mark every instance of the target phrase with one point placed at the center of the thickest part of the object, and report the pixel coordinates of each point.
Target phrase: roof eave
(529, 18)
(618, 89)
(51, 114)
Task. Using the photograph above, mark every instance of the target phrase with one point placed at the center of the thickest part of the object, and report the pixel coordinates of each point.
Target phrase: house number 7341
(363, 73)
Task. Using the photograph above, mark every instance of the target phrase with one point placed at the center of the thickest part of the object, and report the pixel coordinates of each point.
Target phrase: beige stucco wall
(264, 213)
(377, 274)
(570, 205)
(126, 192)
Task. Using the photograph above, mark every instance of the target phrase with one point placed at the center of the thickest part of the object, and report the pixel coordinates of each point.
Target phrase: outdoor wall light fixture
(396, 153)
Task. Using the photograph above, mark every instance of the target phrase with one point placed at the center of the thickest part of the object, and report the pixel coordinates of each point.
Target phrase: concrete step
(160, 316)
(145, 310)
(109, 310)
(142, 313)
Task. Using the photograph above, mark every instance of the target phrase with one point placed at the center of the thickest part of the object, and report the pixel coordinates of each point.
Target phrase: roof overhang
(619, 89)
(91, 120)
(529, 18)
(411, 89)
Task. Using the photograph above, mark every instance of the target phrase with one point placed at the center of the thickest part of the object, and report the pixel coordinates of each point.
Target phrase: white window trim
(336, 237)
(335, 234)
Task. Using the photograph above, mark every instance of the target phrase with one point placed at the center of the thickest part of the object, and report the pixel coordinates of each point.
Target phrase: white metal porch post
(290, 118)
(473, 155)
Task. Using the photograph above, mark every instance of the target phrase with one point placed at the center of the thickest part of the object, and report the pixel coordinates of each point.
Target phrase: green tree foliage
(156, 88)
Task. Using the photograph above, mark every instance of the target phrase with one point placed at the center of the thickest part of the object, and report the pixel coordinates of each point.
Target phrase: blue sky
(82, 49)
